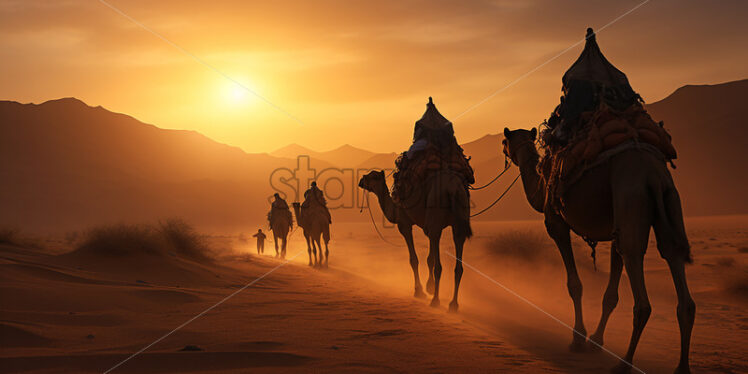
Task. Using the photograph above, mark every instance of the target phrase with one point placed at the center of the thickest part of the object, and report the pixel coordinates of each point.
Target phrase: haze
(348, 68)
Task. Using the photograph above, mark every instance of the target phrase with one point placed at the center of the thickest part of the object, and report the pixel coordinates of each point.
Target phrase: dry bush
(14, 237)
(172, 237)
(9, 236)
(184, 240)
(726, 261)
(736, 282)
(122, 240)
(521, 244)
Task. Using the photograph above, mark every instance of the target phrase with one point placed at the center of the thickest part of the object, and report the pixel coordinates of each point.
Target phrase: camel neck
(386, 203)
(527, 158)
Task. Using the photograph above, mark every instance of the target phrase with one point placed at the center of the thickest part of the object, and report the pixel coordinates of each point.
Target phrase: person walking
(260, 241)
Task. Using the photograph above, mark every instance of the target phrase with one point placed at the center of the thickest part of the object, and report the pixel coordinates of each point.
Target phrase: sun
(235, 94)
(238, 93)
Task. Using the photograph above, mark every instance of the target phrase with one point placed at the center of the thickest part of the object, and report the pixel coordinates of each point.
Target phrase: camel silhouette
(441, 202)
(619, 201)
(314, 223)
(280, 226)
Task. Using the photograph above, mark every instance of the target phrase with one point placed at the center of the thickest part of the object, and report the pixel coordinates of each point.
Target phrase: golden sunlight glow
(343, 66)
(235, 93)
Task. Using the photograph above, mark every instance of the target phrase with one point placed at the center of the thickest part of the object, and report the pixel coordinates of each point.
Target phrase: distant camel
(280, 225)
(314, 223)
(619, 200)
(444, 202)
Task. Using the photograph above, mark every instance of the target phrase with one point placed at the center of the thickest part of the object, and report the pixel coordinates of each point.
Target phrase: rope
(373, 222)
(499, 198)
(493, 180)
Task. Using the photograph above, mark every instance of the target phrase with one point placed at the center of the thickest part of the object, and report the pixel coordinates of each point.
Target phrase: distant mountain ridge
(343, 156)
(67, 165)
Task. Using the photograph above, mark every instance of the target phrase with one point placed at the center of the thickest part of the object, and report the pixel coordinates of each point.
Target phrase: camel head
(514, 139)
(374, 181)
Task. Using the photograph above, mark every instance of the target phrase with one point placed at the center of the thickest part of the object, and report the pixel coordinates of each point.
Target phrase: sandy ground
(80, 314)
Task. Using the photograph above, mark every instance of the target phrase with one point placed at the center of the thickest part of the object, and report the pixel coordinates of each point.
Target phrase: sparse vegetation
(736, 281)
(726, 262)
(9, 236)
(172, 237)
(183, 239)
(14, 237)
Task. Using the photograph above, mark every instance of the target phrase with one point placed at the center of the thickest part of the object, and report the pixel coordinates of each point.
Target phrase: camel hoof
(595, 342)
(453, 307)
(621, 368)
(435, 303)
(578, 346)
(419, 294)
(430, 286)
(682, 369)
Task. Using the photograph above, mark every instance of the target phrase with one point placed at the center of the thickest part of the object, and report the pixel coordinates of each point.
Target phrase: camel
(314, 224)
(280, 227)
(443, 203)
(619, 201)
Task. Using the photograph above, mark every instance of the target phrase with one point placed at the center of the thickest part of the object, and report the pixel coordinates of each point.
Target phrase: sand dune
(65, 313)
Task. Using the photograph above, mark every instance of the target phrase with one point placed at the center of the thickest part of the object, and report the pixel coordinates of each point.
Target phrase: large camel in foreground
(314, 224)
(280, 227)
(444, 202)
(619, 201)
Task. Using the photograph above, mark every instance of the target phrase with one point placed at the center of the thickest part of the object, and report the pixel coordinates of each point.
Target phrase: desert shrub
(743, 250)
(122, 239)
(9, 236)
(726, 261)
(183, 239)
(172, 237)
(521, 244)
(736, 282)
(14, 237)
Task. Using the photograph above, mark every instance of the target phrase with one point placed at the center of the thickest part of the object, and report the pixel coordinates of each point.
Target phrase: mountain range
(65, 165)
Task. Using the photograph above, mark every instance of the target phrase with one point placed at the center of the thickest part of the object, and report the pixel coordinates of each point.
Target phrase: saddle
(605, 132)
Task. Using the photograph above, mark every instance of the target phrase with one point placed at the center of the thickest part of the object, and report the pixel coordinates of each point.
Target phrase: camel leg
(435, 263)
(560, 233)
(308, 249)
(686, 312)
(284, 240)
(430, 263)
(327, 254)
(632, 214)
(610, 299)
(642, 308)
(314, 251)
(459, 241)
(319, 247)
(407, 232)
(326, 239)
(275, 241)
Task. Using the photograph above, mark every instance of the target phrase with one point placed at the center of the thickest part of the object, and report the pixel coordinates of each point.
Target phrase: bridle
(515, 147)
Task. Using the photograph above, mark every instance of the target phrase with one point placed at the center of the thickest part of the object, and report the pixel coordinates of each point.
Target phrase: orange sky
(356, 72)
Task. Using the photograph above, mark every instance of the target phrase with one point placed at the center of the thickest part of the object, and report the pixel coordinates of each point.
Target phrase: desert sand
(85, 313)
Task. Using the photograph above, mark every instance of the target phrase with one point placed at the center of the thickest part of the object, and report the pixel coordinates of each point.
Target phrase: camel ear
(534, 133)
(506, 132)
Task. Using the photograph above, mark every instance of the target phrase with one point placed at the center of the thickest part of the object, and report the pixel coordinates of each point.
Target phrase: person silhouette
(315, 196)
(260, 241)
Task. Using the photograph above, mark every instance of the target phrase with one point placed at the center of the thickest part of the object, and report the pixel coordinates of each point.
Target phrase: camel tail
(461, 211)
(669, 229)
